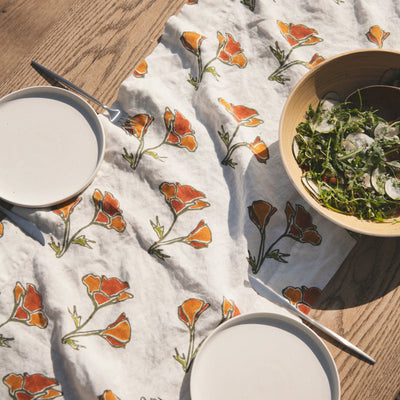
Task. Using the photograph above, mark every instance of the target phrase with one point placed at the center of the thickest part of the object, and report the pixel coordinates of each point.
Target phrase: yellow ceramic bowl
(336, 77)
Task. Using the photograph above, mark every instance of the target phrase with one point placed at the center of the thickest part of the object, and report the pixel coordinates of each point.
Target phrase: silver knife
(28, 227)
(262, 289)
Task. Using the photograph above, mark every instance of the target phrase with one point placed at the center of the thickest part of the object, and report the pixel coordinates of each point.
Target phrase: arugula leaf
(339, 149)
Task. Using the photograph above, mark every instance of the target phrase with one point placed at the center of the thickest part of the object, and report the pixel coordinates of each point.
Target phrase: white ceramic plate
(52, 145)
(264, 356)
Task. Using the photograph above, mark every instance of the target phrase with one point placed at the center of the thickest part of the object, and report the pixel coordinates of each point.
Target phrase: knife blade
(28, 227)
(265, 291)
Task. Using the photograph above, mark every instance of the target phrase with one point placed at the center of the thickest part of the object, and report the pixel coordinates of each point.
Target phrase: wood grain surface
(361, 304)
(96, 44)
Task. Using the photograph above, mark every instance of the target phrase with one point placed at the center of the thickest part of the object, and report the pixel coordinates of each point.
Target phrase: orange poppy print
(377, 35)
(260, 150)
(296, 35)
(108, 395)
(141, 70)
(179, 133)
(299, 227)
(228, 52)
(29, 387)
(138, 125)
(180, 199)
(302, 297)
(200, 236)
(189, 312)
(65, 210)
(27, 309)
(229, 310)
(192, 41)
(118, 334)
(107, 213)
(244, 116)
(315, 60)
(1, 229)
(28, 306)
(102, 292)
(260, 213)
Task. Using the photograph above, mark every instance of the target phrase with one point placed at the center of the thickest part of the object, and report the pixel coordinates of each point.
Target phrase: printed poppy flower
(1, 229)
(303, 298)
(118, 334)
(138, 125)
(200, 236)
(315, 60)
(229, 51)
(377, 35)
(243, 115)
(108, 395)
(300, 226)
(104, 290)
(141, 70)
(192, 41)
(66, 210)
(182, 197)
(260, 213)
(229, 309)
(190, 311)
(31, 387)
(260, 150)
(180, 132)
(28, 304)
(108, 213)
(299, 35)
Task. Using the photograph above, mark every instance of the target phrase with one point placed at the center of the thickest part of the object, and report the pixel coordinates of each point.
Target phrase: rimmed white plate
(52, 146)
(264, 356)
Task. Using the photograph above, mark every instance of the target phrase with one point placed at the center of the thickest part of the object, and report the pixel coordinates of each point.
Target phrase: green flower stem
(6, 321)
(81, 334)
(227, 158)
(134, 161)
(9, 319)
(260, 252)
(138, 154)
(270, 248)
(164, 141)
(196, 81)
(233, 137)
(77, 332)
(68, 241)
(283, 68)
(190, 348)
(162, 241)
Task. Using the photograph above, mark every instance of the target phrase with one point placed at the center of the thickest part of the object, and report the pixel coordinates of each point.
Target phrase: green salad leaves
(350, 160)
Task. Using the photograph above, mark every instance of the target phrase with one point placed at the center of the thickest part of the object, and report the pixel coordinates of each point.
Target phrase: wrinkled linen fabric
(156, 252)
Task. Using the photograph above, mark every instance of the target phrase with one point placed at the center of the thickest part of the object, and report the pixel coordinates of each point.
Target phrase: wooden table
(96, 45)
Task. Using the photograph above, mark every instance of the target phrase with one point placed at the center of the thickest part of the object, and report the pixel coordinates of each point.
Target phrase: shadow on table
(371, 270)
(185, 387)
